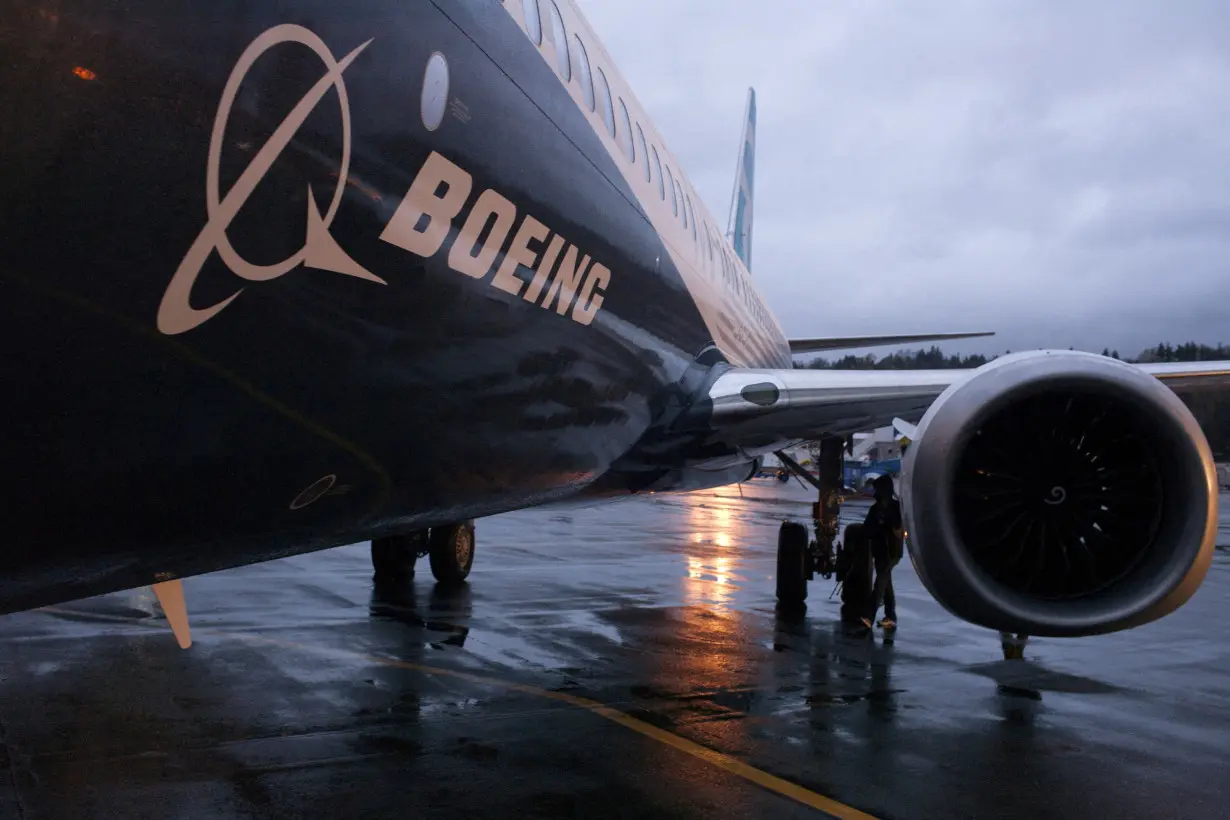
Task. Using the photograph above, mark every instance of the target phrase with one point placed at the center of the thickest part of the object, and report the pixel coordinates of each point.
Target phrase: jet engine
(1060, 494)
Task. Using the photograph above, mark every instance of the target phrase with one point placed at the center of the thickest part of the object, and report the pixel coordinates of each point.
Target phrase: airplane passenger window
(608, 111)
(583, 74)
(640, 135)
(533, 22)
(692, 213)
(670, 183)
(683, 204)
(560, 38)
(624, 135)
(657, 169)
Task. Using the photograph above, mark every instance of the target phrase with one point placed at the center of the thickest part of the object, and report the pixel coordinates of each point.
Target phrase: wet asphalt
(591, 668)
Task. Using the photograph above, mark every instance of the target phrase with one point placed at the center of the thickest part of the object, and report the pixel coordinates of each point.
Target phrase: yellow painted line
(714, 758)
(761, 778)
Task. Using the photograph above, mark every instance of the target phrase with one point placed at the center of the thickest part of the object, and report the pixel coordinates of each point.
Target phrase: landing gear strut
(797, 560)
(450, 549)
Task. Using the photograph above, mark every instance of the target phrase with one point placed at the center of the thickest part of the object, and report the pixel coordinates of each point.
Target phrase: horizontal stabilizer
(851, 342)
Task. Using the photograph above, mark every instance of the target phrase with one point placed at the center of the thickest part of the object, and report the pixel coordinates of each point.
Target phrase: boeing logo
(422, 224)
(320, 250)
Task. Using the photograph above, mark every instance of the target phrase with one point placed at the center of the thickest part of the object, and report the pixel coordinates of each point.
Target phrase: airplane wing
(757, 410)
(853, 342)
(978, 540)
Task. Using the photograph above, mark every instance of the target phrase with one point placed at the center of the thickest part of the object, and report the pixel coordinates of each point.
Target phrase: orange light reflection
(84, 73)
(712, 557)
(708, 664)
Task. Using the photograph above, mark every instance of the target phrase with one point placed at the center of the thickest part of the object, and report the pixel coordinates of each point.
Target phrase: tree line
(1211, 407)
(933, 358)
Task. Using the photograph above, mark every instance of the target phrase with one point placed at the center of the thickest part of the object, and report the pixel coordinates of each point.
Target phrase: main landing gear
(449, 548)
(798, 560)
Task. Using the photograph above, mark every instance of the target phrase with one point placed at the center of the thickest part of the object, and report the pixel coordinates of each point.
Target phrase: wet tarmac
(613, 661)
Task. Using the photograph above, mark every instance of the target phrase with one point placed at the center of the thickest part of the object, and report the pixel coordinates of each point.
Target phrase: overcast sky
(1057, 172)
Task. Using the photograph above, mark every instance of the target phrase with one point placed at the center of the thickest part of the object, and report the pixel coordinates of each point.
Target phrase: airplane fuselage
(284, 276)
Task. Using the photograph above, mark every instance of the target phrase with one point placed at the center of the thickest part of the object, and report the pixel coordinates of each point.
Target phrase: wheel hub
(464, 545)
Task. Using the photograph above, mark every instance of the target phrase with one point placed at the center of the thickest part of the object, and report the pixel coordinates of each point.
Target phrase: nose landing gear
(798, 561)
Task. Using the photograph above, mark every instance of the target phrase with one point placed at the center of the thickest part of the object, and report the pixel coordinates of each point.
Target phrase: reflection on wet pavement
(309, 692)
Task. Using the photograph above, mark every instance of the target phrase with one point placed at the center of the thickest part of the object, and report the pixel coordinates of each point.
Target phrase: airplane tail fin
(739, 227)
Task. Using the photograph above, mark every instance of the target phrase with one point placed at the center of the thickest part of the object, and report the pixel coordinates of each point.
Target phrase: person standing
(886, 534)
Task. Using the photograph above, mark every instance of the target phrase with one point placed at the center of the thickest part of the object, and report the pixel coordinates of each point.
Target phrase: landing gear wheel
(792, 566)
(452, 552)
(394, 556)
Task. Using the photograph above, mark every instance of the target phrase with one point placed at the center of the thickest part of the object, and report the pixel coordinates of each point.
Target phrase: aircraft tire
(394, 556)
(451, 552)
(792, 561)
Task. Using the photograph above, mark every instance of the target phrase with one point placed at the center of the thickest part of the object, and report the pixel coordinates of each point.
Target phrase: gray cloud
(1059, 173)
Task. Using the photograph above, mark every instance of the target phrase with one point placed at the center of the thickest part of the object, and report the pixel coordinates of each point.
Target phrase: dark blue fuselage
(318, 406)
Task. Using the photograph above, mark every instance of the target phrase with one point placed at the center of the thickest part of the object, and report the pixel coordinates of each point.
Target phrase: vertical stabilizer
(739, 227)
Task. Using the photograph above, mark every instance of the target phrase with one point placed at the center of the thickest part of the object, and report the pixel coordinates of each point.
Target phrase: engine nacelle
(1060, 494)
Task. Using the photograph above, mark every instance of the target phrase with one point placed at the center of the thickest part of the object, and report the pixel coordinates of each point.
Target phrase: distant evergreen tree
(933, 358)
(930, 359)
(1186, 352)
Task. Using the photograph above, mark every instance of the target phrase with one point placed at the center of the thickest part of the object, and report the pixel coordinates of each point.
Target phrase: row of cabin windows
(681, 203)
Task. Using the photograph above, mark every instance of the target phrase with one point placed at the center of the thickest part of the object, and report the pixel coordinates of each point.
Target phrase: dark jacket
(884, 530)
